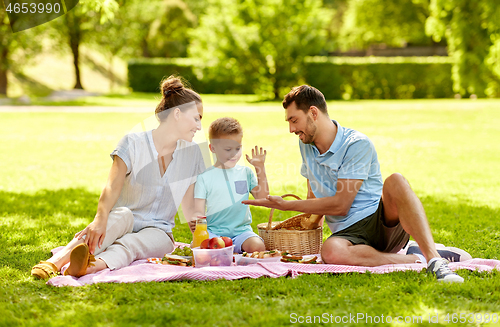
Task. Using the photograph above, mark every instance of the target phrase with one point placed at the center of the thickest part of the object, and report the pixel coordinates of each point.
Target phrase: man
(370, 220)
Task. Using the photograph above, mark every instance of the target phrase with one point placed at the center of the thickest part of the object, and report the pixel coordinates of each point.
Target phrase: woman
(152, 173)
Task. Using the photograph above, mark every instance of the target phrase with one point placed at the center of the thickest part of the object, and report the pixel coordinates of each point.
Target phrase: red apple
(216, 243)
(225, 260)
(202, 259)
(227, 241)
(204, 244)
(215, 261)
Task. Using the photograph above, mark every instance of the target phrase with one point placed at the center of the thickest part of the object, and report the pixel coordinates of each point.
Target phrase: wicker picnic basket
(288, 235)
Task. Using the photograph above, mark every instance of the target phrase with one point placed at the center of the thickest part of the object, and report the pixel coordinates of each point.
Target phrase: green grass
(113, 100)
(138, 99)
(53, 166)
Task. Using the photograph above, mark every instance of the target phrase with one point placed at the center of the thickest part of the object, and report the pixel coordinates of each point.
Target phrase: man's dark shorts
(372, 231)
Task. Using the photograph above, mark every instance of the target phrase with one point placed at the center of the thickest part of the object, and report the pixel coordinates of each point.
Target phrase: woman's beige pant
(121, 246)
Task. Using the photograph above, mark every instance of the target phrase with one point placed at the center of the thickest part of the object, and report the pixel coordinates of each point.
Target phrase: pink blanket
(142, 271)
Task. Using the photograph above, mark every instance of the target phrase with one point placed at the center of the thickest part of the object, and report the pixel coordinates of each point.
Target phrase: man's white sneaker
(449, 253)
(443, 273)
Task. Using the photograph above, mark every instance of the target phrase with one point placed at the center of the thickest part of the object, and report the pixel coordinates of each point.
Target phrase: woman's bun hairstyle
(174, 93)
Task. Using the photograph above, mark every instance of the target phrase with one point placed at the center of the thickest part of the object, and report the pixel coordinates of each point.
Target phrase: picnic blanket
(142, 271)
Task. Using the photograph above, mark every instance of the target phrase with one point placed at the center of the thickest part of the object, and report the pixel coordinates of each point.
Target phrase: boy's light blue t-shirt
(351, 156)
(223, 190)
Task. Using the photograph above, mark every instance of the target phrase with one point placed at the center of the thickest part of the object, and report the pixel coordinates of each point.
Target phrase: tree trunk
(75, 49)
(111, 75)
(145, 50)
(3, 72)
(73, 24)
(276, 91)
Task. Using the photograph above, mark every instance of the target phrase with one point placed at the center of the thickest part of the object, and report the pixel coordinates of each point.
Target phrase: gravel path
(99, 109)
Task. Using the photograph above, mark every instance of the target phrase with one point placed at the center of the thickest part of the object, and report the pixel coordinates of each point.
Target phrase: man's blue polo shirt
(351, 156)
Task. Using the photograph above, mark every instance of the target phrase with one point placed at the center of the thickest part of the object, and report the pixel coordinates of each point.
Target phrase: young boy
(223, 186)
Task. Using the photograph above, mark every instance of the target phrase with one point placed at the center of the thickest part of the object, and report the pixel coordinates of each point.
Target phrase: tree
(197, 7)
(472, 30)
(259, 45)
(168, 33)
(78, 26)
(159, 29)
(125, 36)
(338, 8)
(6, 44)
(22, 44)
(392, 22)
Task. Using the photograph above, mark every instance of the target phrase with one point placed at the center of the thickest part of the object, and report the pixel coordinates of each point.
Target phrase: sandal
(44, 270)
(80, 260)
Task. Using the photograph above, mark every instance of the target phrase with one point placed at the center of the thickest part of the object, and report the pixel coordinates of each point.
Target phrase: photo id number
(33, 8)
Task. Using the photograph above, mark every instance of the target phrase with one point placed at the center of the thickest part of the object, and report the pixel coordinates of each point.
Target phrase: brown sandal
(44, 270)
(80, 260)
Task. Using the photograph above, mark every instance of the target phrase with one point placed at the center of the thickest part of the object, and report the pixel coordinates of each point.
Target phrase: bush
(337, 77)
(380, 77)
(145, 74)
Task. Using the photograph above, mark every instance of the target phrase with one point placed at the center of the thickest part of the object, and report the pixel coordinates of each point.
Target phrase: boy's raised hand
(258, 157)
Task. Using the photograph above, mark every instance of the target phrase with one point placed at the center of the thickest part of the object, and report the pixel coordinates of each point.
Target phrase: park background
(351, 49)
(419, 77)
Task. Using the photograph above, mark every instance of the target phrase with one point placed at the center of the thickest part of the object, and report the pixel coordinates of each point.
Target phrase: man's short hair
(224, 126)
(304, 97)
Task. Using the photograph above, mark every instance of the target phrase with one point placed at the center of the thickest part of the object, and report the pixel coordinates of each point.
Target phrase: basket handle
(272, 210)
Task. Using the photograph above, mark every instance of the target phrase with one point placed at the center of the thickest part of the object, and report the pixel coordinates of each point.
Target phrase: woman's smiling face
(190, 121)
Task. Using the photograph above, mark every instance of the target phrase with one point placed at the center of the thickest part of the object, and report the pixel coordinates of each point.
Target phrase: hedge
(145, 75)
(380, 77)
(336, 77)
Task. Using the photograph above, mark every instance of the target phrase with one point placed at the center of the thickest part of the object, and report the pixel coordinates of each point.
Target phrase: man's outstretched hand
(271, 201)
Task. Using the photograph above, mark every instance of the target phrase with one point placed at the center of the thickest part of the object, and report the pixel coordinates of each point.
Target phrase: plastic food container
(245, 261)
(213, 257)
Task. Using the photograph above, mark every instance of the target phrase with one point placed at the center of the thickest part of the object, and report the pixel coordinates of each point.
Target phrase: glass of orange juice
(200, 233)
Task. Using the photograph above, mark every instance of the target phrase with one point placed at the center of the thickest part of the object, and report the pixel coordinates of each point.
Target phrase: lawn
(54, 164)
